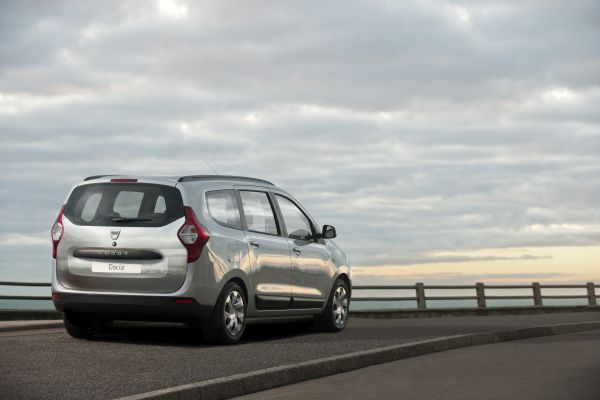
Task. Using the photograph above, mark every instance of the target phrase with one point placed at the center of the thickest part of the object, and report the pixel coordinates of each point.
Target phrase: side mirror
(328, 232)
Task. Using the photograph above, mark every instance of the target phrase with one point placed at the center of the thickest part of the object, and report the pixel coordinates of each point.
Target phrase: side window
(222, 206)
(160, 207)
(258, 212)
(297, 224)
(91, 206)
(127, 204)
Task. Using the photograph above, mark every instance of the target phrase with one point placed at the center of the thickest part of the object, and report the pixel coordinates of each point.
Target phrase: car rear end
(123, 249)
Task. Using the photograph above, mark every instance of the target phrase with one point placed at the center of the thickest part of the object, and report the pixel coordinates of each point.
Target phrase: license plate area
(116, 268)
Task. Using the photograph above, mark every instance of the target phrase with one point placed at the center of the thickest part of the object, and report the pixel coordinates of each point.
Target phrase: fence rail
(481, 294)
(25, 284)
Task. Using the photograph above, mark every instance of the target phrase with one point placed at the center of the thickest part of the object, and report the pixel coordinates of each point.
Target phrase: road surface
(126, 360)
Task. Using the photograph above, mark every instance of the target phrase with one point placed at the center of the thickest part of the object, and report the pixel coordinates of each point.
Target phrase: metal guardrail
(420, 296)
(480, 293)
(25, 284)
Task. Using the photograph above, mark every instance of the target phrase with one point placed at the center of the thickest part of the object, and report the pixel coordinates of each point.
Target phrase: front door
(311, 270)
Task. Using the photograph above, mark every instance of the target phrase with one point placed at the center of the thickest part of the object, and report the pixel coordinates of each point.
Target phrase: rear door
(268, 250)
(122, 237)
(311, 270)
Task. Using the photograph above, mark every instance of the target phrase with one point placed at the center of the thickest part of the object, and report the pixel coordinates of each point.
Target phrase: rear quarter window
(223, 208)
(131, 204)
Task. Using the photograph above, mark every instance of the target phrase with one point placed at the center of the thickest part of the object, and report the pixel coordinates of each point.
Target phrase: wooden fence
(481, 293)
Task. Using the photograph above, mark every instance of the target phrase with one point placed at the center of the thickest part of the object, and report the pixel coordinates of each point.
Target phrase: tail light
(192, 235)
(57, 231)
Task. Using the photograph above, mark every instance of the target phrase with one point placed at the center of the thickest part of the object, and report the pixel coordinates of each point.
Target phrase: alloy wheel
(340, 306)
(233, 313)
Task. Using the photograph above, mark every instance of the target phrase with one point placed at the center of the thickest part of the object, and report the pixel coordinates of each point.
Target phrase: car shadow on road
(180, 335)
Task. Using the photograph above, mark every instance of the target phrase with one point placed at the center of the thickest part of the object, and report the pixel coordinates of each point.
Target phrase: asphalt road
(549, 368)
(126, 360)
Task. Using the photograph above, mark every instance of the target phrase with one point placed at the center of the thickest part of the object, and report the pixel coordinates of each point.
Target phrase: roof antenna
(210, 166)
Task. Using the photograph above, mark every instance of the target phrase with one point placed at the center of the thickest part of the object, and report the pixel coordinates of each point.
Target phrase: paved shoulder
(554, 367)
(11, 326)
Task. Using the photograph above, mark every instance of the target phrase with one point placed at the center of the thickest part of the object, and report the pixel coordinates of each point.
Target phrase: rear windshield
(130, 204)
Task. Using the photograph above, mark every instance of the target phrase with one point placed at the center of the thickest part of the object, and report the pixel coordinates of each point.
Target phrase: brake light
(57, 231)
(123, 180)
(192, 235)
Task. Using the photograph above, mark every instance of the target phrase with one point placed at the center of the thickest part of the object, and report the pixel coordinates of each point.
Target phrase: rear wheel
(228, 320)
(335, 315)
(80, 326)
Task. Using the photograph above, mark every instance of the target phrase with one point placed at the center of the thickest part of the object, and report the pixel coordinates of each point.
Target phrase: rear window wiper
(124, 219)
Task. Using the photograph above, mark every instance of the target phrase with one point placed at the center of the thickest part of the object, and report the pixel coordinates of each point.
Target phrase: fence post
(480, 289)
(421, 302)
(591, 292)
(537, 294)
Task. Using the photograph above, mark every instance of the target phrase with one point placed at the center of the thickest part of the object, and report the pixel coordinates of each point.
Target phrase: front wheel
(228, 320)
(80, 326)
(335, 315)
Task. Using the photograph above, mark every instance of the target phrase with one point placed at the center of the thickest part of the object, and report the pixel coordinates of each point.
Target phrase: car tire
(227, 323)
(335, 316)
(79, 326)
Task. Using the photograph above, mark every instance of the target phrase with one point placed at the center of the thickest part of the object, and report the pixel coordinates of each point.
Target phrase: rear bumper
(136, 308)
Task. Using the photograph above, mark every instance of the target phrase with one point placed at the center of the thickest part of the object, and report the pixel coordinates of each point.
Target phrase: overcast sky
(446, 141)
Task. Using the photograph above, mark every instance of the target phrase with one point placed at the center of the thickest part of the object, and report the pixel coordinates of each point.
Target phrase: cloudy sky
(447, 141)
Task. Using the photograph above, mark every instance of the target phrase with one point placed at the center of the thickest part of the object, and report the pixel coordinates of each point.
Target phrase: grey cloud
(410, 129)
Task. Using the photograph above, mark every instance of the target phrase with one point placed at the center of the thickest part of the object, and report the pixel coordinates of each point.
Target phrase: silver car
(209, 250)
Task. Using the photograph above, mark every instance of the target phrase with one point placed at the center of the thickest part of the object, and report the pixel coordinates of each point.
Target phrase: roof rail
(89, 178)
(190, 178)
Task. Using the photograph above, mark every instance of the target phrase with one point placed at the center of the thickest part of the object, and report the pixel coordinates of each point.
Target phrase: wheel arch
(241, 278)
(239, 281)
(347, 280)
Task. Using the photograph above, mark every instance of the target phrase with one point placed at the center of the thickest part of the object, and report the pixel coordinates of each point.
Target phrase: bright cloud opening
(172, 9)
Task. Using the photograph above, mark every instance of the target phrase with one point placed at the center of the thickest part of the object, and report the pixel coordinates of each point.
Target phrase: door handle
(297, 251)
(254, 244)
